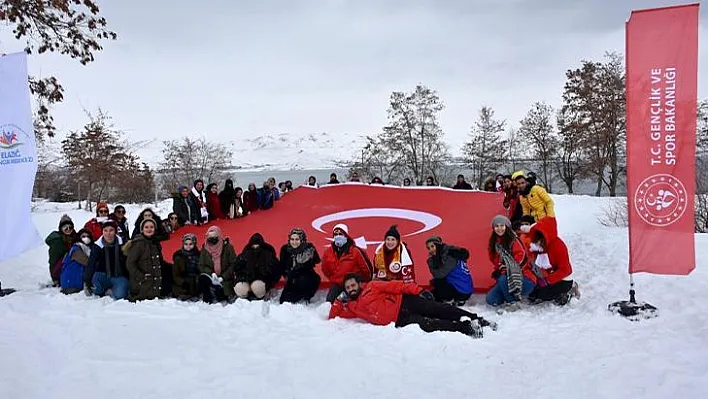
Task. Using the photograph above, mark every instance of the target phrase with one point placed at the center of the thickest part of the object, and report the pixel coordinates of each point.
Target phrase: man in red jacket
(385, 302)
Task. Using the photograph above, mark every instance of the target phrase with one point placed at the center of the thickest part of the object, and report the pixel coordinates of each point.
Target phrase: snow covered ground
(57, 346)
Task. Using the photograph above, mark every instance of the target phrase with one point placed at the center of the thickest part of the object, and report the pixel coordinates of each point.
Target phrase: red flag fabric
(461, 218)
(662, 69)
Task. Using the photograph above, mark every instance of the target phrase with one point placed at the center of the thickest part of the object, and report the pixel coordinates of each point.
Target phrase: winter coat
(228, 266)
(537, 203)
(185, 271)
(73, 268)
(462, 186)
(291, 268)
(250, 201)
(450, 264)
(555, 248)
(351, 259)
(214, 207)
(144, 263)
(103, 260)
(227, 198)
(378, 303)
(186, 210)
(267, 197)
(59, 245)
(123, 227)
(258, 264)
(520, 254)
(95, 227)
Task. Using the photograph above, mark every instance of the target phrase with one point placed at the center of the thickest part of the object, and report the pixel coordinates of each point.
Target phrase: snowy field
(57, 346)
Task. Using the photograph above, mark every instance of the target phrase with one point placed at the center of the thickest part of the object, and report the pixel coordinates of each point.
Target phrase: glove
(216, 280)
(343, 297)
(427, 295)
(496, 274)
(88, 289)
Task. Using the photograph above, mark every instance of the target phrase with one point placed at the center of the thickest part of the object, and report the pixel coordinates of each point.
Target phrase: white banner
(18, 158)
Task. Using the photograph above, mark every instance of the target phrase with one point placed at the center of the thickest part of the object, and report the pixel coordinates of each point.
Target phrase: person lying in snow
(550, 255)
(385, 302)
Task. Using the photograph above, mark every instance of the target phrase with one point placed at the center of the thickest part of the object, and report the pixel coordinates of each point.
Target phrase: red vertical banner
(662, 79)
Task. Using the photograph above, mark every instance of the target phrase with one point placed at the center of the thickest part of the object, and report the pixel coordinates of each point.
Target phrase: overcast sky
(233, 69)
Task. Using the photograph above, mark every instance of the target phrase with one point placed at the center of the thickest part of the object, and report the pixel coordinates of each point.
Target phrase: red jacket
(555, 248)
(352, 261)
(214, 207)
(521, 256)
(379, 302)
(95, 228)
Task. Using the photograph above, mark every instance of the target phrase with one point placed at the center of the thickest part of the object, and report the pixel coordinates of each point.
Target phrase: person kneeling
(385, 302)
(107, 273)
(452, 281)
(257, 269)
(216, 264)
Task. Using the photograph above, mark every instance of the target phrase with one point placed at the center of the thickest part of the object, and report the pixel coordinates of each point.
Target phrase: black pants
(300, 287)
(334, 292)
(551, 292)
(210, 293)
(431, 316)
(444, 291)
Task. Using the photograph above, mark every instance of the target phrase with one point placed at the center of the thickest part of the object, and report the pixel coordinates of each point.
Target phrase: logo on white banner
(428, 220)
(660, 200)
(12, 138)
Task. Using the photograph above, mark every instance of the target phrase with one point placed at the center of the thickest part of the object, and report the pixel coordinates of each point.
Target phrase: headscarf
(215, 250)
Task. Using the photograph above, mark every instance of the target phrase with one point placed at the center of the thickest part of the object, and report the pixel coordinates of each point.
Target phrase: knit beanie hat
(189, 237)
(148, 220)
(65, 220)
(435, 240)
(393, 232)
(501, 220)
(101, 205)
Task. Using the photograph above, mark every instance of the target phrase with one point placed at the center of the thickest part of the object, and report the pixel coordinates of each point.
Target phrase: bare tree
(594, 96)
(539, 134)
(487, 149)
(701, 216)
(411, 145)
(188, 159)
(73, 28)
(570, 162)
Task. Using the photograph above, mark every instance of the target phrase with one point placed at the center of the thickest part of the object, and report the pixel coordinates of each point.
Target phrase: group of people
(103, 259)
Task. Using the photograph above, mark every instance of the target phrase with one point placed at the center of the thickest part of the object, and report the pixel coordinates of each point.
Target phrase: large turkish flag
(461, 218)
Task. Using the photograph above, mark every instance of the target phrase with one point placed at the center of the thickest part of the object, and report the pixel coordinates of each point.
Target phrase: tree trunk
(598, 191)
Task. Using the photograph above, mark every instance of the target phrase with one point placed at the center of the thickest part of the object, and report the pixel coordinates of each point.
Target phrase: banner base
(633, 310)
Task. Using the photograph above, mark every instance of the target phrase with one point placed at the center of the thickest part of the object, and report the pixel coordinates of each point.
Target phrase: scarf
(400, 259)
(215, 252)
(300, 255)
(513, 271)
(116, 258)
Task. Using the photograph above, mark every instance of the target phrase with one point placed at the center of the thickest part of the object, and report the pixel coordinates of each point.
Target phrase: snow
(57, 346)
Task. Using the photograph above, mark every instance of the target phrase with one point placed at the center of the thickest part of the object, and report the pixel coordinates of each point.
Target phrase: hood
(547, 226)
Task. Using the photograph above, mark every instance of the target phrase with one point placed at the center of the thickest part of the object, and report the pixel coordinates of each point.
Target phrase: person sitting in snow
(59, 243)
(534, 199)
(298, 259)
(185, 269)
(392, 260)
(160, 234)
(452, 281)
(341, 258)
(514, 277)
(551, 256)
(257, 269)
(150, 276)
(385, 302)
(75, 262)
(522, 232)
(95, 225)
(107, 272)
(217, 265)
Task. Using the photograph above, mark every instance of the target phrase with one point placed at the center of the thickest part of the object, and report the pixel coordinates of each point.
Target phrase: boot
(471, 328)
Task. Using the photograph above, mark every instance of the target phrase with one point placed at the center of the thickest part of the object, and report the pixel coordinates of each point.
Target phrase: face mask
(213, 240)
(86, 240)
(102, 219)
(340, 241)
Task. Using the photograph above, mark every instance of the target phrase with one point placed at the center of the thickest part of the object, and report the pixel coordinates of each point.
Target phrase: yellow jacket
(537, 203)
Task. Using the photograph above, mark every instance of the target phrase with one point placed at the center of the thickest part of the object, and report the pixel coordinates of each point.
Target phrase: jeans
(119, 285)
(499, 294)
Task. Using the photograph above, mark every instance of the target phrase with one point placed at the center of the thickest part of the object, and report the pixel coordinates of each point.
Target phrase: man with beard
(385, 302)
(534, 199)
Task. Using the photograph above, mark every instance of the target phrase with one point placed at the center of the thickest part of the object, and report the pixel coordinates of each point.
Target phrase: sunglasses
(68, 227)
(103, 211)
(173, 218)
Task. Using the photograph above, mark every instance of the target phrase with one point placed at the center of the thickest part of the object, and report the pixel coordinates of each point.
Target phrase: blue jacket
(460, 278)
(73, 267)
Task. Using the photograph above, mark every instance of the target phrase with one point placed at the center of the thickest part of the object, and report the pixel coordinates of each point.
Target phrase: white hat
(341, 226)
